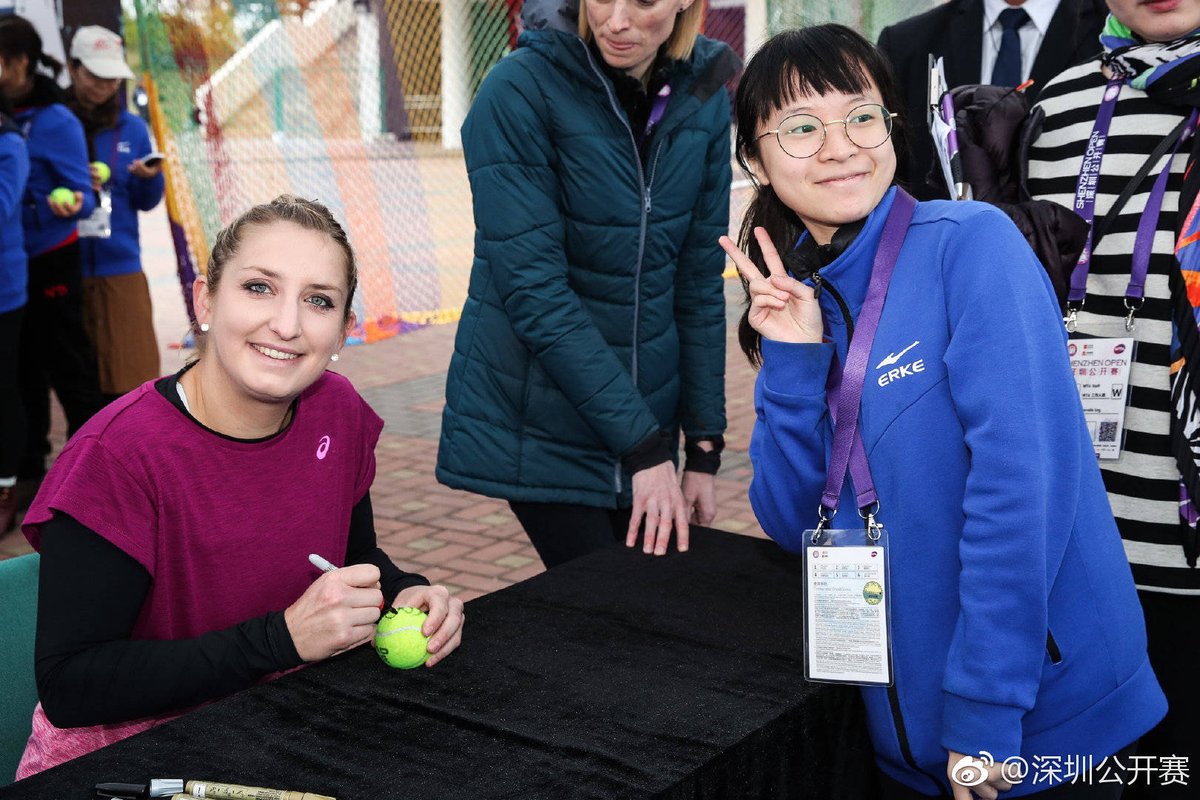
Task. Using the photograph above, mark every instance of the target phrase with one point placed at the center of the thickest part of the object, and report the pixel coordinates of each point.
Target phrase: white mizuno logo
(894, 357)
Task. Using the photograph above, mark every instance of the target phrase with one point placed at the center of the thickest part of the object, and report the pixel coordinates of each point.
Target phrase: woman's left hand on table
(700, 496)
(444, 621)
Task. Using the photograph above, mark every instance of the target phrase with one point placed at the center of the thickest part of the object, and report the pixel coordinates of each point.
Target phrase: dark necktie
(1007, 71)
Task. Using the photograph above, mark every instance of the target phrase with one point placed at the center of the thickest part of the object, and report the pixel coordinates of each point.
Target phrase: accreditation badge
(99, 224)
(1101, 368)
(847, 607)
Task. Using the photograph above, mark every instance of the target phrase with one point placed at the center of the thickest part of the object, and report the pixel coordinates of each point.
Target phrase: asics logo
(322, 448)
(892, 358)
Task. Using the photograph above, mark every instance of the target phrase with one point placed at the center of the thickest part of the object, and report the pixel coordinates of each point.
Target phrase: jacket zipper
(637, 272)
(637, 300)
(821, 284)
(902, 735)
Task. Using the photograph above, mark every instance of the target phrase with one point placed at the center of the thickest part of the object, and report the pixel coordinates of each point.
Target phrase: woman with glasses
(918, 428)
(594, 328)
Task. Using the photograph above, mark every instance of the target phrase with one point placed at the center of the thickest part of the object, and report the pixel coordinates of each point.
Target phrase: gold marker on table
(232, 791)
(177, 789)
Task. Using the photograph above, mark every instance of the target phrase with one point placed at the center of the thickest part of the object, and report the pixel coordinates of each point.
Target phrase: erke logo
(322, 448)
(902, 371)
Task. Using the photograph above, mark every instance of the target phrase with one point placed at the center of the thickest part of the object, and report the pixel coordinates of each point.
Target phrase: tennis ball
(103, 171)
(398, 638)
(63, 196)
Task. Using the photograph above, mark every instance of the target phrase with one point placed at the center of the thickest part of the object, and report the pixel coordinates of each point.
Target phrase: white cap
(101, 51)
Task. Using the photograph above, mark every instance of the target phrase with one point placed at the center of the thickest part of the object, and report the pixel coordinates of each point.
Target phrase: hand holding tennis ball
(100, 172)
(64, 203)
(398, 638)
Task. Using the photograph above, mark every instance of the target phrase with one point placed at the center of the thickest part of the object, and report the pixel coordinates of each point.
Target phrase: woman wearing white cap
(115, 287)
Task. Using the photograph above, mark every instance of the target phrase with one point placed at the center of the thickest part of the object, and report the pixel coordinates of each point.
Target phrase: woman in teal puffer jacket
(594, 328)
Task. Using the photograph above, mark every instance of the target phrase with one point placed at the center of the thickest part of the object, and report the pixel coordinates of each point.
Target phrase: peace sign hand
(782, 308)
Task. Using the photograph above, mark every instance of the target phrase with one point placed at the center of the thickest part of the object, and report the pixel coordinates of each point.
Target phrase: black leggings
(562, 531)
(56, 353)
(12, 410)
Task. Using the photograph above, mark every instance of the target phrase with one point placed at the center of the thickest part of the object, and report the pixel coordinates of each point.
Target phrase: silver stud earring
(334, 357)
(204, 327)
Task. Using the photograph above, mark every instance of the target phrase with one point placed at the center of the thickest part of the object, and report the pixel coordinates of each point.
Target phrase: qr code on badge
(1108, 431)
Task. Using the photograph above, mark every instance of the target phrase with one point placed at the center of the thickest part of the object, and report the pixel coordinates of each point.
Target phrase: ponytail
(784, 228)
(52, 65)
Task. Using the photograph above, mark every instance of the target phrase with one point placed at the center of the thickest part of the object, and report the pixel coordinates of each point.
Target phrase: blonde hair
(679, 44)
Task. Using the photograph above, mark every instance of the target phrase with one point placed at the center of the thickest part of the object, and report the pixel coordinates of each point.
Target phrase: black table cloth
(618, 675)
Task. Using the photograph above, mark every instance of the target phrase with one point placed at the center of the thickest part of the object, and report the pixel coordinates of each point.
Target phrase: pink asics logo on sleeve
(323, 448)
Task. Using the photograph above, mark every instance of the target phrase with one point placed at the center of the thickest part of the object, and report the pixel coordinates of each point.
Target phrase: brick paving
(472, 544)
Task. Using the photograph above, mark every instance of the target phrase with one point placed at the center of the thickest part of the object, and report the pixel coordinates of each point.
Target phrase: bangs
(808, 61)
(793, 83)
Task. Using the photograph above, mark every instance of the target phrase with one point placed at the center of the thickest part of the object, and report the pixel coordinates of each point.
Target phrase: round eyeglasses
(803, 135)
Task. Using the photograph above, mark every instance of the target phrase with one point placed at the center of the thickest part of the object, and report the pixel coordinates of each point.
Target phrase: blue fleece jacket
(119, 147)
(14, 171)
(58, 156)
(1016, 626)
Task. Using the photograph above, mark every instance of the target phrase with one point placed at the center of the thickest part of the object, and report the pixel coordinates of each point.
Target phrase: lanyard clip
(1132, 305)
(868, 513)
(1071, 319)
(823, 519)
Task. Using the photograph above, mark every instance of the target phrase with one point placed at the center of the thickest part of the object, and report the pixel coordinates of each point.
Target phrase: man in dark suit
(955, 30)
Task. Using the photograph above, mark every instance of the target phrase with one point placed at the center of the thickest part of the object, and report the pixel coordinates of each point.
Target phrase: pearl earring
(204, 327)
(334, 357)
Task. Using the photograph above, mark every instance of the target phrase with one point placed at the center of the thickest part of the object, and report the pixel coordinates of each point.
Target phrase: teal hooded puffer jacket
(595, 315)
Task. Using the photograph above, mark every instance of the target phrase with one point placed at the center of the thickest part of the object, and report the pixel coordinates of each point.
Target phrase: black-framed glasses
(803, 135)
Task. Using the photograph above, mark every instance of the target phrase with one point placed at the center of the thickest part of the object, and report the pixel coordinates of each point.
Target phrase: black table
(615, 676)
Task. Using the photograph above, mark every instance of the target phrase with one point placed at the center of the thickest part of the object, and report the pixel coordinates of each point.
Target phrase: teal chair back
(18, 617)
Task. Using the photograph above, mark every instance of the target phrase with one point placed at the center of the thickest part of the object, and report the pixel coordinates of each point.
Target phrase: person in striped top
(1150, 62)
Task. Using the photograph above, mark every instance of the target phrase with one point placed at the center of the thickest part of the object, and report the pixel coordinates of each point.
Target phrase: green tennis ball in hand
(398, 638)
(63, 196)
(102, 171)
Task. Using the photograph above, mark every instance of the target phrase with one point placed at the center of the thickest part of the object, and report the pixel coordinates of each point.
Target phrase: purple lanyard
(846, 385)
(656, 111)
(1085, 206)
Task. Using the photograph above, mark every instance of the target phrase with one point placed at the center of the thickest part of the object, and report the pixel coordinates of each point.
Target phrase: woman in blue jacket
(14, 170)
(1015, 626)
(55, 349)
(598, 155)
(117, 308)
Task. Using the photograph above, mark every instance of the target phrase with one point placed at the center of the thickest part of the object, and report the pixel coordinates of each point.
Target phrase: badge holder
(99, 224)
(1101, 368)
(847, 603)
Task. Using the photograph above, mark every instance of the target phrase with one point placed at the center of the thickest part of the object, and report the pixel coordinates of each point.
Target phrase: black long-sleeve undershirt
(90, 672)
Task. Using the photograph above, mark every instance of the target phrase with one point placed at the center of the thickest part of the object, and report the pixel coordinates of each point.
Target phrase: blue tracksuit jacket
(58, 156)
(120, 253)
(14, 170)
(1016, 625)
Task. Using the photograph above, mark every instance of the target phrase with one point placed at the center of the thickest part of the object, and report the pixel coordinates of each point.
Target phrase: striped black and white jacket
(1143, 484)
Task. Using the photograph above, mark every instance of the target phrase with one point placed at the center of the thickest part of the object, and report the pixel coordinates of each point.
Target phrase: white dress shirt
(1040, 12)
